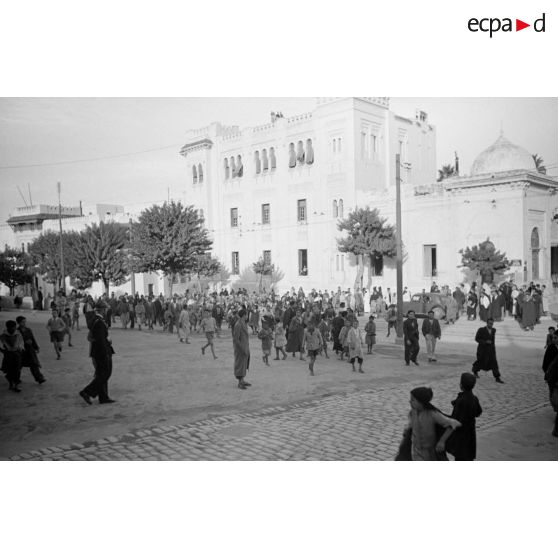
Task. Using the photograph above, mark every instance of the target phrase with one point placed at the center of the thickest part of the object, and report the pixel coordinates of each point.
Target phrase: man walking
(31, 349)
(411, 338)
(431, 331)
(101, 354)
(241, 347)
(486, 351)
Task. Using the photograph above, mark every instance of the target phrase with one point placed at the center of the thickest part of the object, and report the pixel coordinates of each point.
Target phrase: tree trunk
(106, 285)
(360, 272)
(171, 277)
(369, 278)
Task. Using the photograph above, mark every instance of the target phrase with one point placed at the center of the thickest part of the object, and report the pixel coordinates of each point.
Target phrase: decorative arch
(340, 209)
(200, 173)
(292, 156)
(272, 159)
(265, 160)
(194, 174)
(335, 209)
(227, 169)
(300, 152)
(309, 152)
(257, 162)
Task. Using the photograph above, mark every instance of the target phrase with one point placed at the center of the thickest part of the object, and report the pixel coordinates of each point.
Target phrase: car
(442, 306)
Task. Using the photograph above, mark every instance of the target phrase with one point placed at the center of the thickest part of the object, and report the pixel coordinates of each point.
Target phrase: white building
(277, 190)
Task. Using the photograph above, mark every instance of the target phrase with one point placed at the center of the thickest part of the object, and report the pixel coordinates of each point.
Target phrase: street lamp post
(399, 255)
(62, 273)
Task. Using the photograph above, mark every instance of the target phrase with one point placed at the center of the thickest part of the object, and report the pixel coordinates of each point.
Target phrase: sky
(42, 131)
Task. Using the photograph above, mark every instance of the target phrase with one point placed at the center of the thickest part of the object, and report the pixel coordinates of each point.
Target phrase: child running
(56, 328)
(266, 335)
(280, 339)
(208, 325)
(313, 344)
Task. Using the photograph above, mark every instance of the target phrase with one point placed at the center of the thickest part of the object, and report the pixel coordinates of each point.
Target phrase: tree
(100, 254)
(15, 268)
(485, 260)
(539, 163)
(369, 235)
(261, 268)
(45, 251)
(170, 238)
(446, 171)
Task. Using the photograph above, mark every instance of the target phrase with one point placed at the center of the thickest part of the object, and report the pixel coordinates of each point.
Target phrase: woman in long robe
(528, 313)
(296, 336)
(241, 347)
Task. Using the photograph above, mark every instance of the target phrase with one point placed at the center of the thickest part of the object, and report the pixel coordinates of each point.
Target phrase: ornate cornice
(196, 146)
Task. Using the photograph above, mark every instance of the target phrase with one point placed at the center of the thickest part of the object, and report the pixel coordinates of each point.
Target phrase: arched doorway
(535, 250)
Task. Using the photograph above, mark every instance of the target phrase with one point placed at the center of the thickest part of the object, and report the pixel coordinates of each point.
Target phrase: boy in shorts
(208, 325)
(313, 343)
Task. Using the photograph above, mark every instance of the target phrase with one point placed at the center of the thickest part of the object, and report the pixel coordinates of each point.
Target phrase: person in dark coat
(241, 345)
(486, 351)
(411, 338)
(336, 326)
(466, 408)
(288, 315)
(472, 301)
(551, 378)
(101, 352)
(495, 307)
(431, 331)
(550, 353)
(12, 347)
(29, 357)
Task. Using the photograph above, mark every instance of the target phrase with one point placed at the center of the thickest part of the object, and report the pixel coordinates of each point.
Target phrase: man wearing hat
(101, 352)
(486, 351)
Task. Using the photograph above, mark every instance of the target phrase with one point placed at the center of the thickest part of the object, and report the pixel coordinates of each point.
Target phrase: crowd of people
(296, 323)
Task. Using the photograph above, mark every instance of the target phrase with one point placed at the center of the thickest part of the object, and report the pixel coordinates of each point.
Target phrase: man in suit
(101, 354)
(486, 351)
(411, 338)
(431, 331)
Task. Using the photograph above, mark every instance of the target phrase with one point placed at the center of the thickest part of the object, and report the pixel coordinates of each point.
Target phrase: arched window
(265, 161)
(233, 168)
(300, 152)
(535, 250)
(272, 159)
(200, 173)
(335, 209)
(239, 168)
(257, 162)
(227, 169)
(194, 174)
(309, 152)
(292, 156)
(340, 209)
(334, 145)
(339, 145)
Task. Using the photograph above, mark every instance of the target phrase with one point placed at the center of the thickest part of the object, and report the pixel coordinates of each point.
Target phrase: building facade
(277, 191)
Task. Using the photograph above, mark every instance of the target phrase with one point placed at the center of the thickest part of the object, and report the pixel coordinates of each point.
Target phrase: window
(363, 145)
(337, 262)
(301, 210)
(235, 264)
(300, 152)
(342, 262)
(340, 209)
(265, 214)
(267, 257)
(303, 262)
(234, 217)
(233, 168)
(339, 145)
(257, 162)
(265, 161)
(374, 145)
(227, 169)
(239, 167)
(430, 260)
(309, 152)
(272, 159)
(200, 173)
(334, 145)
(292, 156)
(194, 175)
(377, 265)
(335, 209)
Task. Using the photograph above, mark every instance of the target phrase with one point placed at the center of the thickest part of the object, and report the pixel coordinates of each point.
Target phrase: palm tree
(539, 163)
(446, 172)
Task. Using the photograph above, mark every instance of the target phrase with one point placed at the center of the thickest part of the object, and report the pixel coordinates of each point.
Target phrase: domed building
(504, 198)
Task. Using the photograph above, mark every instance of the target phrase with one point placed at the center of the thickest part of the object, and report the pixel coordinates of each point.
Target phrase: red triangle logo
(519, 25)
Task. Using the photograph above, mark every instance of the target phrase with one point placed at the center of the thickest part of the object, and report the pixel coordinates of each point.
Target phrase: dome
(502, 156)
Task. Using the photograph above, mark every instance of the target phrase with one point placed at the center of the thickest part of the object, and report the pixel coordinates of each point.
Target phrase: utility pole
(132, 273)
(399, 257)
(63, 286)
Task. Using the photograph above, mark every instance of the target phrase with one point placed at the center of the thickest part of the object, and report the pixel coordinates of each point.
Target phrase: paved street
(286, 415)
